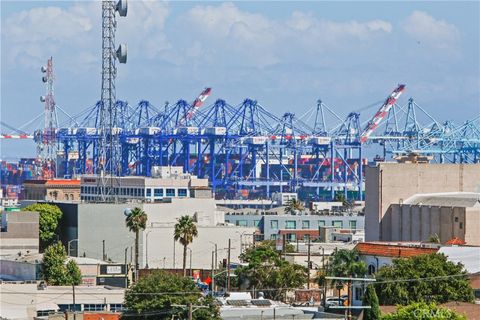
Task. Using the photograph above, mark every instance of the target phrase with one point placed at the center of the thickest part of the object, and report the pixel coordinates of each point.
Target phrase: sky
(286, 55)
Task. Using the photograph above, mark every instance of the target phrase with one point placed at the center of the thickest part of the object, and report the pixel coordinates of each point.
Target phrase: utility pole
(191, 263)
(126, 268)
(308, 250)
(174, 254)
(213, 272)
(74, 309)
(228, 264)
(216, 257)
(190, 311)
(103, 250)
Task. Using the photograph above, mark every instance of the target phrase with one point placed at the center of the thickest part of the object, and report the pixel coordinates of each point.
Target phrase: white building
(168, 182)
(26, 301)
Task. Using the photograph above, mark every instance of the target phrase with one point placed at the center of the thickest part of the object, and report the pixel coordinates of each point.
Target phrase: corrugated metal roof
(449, 199)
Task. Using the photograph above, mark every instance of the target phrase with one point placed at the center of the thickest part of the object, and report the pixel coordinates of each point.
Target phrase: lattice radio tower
(47, 147)
(108, 143)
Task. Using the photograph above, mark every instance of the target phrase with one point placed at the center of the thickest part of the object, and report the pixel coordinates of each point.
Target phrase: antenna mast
(108, 144)
(47, 146)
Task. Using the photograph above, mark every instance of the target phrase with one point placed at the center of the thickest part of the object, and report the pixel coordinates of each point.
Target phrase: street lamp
(68, 246)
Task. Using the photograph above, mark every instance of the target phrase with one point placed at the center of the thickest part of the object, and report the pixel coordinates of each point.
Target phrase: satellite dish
(42, 98)
(122, 53)
(44, 79)
(44, 69)
(122, 7)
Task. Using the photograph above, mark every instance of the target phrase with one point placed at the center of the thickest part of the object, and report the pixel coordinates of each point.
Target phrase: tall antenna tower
(47, 145)
(108, 144)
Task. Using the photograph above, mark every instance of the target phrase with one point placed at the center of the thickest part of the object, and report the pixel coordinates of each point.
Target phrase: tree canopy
(294, 206)
(347, 263)
(48, 224)
(136, 220)
(266, 270)
(430, 278)
(370, 299)
(423, 311)
(156, 294)
(185, 231)
(56, 271)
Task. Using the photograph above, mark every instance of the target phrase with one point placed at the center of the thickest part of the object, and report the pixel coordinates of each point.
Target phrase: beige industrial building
(448, 215)
(19, 233)
(52, 190)
(392, 183)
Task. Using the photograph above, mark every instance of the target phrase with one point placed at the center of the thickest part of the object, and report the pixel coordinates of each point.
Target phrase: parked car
(334, 301)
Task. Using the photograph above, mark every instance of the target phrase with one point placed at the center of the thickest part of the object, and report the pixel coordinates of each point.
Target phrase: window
(456, 219)
(352, 224)
(461, 225)
(358, 293)
(305, 224)
(116, 307)
(170, 192)
(371, 269)
(305, 237)
(290, 224)
(149, 192)
(273, 237)
(93, 307)
(158, 192)
(142, 192)
(337, 223)
(182, 192)
(274, 224)
(44, 313)
(256, 223)
(241, 223)
(291, 237)
(69, 307)
(321, 223)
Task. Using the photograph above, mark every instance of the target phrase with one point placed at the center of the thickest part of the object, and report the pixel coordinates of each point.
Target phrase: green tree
(157, 293)
(293, 206)
(185, 231)
(74, 276)
(48, 224)
(434, 238)
(423, 311)
(136, 221)
(55, 270)
(347, 263)
(439, 281)
(266, 270)
(370, 299)
(340, 197)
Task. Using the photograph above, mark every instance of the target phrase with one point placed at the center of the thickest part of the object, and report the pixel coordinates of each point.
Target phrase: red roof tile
(388, 250)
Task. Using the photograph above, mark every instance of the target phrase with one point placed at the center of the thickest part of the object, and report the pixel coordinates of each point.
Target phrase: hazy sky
(286, 55)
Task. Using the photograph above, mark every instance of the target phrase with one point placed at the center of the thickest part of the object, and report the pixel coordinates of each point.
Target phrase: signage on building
(116, 269)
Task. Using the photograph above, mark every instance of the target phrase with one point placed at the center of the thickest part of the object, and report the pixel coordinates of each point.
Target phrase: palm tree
(185, 231)
(293, 206)
(136, 220)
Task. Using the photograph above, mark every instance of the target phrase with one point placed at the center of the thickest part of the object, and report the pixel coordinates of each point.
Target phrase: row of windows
(114, 307)
(292, 224)
(140, 192)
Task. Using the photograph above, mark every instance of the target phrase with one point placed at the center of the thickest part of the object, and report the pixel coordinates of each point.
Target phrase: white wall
(161, 246)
